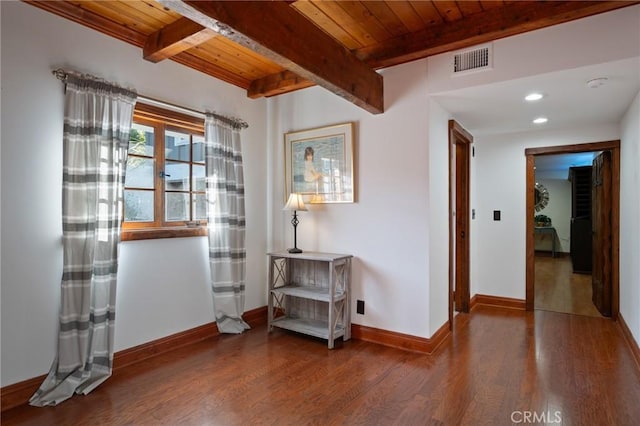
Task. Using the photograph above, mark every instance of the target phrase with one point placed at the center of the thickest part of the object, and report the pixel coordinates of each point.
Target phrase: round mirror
(541, 195)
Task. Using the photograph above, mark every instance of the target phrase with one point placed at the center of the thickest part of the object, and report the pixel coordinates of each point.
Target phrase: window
(165, 189)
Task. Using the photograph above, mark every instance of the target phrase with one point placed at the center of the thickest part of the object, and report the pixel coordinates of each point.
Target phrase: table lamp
(296, 204)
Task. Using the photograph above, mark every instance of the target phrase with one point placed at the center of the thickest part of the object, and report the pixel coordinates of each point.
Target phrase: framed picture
(319, 164)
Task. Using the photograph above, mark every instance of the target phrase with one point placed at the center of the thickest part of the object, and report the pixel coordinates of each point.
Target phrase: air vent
(476, 59)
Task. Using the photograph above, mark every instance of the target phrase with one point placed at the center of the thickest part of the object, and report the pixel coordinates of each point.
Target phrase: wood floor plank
(558, 289)
(498, 362)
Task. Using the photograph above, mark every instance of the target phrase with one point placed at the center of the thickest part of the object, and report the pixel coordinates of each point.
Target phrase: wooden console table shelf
(548, 230)
(310, 293)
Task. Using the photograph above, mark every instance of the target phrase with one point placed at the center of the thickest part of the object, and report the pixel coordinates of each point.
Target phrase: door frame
(530, 153)
(459, 136)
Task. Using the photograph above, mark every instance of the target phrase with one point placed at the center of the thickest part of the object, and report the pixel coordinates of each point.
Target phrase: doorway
(563, 233)
(607, 258)
(459, 216)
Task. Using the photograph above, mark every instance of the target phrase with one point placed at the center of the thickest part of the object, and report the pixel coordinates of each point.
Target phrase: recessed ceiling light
(594, 83)
(540, 120)
(533, 97)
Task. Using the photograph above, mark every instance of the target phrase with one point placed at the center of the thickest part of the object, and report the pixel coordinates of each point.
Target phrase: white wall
(498, 169)
(387, 228)
(559, 211)
(597, 39)
(438, 216)
(500, 185)
(629, 218)
(163, 284)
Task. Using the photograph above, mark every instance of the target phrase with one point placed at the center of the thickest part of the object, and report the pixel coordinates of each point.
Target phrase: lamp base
(294, 250)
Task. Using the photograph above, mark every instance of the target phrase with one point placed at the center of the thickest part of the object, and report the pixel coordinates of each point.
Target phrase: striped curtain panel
(225, 200)
(97, 122)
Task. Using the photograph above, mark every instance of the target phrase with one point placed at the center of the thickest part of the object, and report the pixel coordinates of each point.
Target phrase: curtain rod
(235, 122)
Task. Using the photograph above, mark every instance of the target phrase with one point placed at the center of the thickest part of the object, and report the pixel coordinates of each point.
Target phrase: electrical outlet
(360, 307)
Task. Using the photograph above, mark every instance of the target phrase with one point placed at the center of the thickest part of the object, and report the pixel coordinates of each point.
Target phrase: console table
(310, 293)
(548, 230)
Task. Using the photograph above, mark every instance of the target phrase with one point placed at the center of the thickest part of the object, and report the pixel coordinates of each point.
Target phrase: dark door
(462, 228)
(601, 227)
(459, 192)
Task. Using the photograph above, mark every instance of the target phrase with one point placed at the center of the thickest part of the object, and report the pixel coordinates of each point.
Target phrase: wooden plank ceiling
(274, 47)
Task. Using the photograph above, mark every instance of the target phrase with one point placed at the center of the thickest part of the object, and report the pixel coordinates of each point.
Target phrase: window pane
(199, 181)
(198, 149)
(141, 140)
(176, 176)
(177, 206)
(177, 146)
(139, 172)
(138, 206)
(200, 206)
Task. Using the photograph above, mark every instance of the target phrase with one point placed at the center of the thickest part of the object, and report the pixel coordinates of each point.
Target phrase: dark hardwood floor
(499, 365)
(558, 289)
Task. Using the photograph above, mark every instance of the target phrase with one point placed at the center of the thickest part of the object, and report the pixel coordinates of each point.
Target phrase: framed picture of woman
(319, 164)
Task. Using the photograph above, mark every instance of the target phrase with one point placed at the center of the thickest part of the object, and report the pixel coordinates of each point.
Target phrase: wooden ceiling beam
(277, 84)
(278, 32)
(175, 38)
(77, 13)
(514, 18)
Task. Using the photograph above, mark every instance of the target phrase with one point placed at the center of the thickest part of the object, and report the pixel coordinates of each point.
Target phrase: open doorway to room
(562, 233)
(572, 229)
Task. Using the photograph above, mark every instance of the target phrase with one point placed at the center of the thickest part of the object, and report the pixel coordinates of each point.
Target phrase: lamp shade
(295, 202)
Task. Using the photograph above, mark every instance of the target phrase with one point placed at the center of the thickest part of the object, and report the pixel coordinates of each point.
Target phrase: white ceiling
(568, 102)
(557, 166)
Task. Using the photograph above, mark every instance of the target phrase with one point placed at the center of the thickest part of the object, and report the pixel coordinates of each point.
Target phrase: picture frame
(319, 164)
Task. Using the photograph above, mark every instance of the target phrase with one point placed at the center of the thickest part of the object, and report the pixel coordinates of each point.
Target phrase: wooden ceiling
(274, 47)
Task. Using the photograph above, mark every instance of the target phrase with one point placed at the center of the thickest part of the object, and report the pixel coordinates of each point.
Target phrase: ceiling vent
(479, 58)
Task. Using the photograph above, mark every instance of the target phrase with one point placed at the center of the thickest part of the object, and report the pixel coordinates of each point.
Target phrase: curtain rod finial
(236, 123)
(60, 74)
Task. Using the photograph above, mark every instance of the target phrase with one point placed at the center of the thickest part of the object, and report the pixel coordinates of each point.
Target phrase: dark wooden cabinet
(581, 238)
(581, 245)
